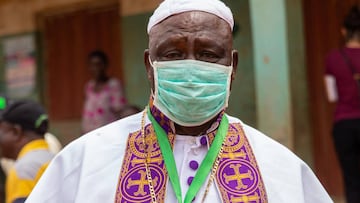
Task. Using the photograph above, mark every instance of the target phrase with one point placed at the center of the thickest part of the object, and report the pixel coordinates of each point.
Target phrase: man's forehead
(170, 8)
(197, 20)
(200, 28)
(199, 25)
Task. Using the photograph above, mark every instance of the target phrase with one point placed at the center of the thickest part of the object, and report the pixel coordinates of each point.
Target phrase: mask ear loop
(150, 61)
(152, 65)
(230, 79)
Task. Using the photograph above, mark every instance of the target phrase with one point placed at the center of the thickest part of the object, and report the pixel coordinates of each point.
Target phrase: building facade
(278, 86)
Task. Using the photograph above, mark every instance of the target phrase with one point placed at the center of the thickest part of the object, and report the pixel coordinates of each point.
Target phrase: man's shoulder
(104, 145)
(265, 146)
(118, 128)
(115, 134)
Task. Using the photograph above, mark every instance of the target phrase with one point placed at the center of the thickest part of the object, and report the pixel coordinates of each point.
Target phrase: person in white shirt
(182, 147)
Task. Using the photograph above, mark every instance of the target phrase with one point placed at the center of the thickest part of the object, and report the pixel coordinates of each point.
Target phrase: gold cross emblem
(157, 160)
(141, 183)
(246, 199)
(233, 155)
(238, 176)
(151, 142)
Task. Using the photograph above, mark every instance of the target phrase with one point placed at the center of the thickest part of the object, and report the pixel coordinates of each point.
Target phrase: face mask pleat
(197, 89)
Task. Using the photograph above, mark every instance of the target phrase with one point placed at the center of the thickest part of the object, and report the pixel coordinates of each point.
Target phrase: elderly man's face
(191, 35)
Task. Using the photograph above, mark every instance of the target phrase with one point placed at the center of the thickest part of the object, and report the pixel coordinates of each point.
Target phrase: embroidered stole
(238, 177)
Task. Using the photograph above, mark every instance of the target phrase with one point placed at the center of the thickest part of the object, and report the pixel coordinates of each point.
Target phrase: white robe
(88, 169)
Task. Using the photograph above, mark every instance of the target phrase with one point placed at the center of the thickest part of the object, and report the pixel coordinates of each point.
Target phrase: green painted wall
(280, 74)
(298, 80)
(134, 41)
(242, 100)
(268, 19)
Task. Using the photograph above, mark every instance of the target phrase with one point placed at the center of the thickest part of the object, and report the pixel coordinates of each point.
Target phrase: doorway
(68, 37)
(323, 22)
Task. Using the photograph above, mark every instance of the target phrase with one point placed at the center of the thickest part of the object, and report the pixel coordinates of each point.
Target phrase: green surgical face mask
(191, 92)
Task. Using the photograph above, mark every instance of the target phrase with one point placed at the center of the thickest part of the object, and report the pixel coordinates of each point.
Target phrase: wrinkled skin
(191, 35)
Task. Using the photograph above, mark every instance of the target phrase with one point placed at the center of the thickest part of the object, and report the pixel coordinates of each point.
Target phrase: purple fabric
(163, 121)
(348, 106)
(238, 176)
(133, 184)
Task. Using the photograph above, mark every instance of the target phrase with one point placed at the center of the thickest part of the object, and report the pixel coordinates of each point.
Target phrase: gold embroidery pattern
(238, 175)
(133, 185)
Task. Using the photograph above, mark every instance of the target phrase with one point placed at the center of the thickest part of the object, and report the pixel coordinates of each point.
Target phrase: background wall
(18, 16)
(298, 81)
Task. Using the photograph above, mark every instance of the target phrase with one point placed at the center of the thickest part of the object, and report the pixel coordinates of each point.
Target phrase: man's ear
(235, 60)
(149, 69)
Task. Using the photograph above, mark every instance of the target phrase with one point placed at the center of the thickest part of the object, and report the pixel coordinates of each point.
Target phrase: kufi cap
(171, 7)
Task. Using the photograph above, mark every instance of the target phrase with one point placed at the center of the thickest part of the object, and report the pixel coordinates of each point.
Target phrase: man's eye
(209, 55)
(172, 55)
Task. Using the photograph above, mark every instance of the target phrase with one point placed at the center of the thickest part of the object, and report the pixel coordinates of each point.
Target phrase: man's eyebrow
(210, 43)
(162, 41)
(175, 37)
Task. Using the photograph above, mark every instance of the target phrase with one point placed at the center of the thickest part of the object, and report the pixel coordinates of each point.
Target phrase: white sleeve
(331, 89)
(312, 188)
(59, 182)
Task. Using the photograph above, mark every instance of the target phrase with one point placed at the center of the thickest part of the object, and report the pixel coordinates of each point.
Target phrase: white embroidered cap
(171, 7)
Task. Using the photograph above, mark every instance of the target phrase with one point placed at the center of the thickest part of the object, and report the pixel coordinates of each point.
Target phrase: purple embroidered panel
(163, 121)
(133, 183)
(238, 176)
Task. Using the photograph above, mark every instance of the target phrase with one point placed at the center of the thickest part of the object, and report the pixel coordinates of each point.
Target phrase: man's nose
(191, 55)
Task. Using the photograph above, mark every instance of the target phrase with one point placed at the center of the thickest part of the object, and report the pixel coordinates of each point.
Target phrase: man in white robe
(182, 147)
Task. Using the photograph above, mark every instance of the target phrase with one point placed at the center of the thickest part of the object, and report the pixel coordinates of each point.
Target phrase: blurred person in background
(342, 79)
(104, 97)
(54, 144)
(23, 125)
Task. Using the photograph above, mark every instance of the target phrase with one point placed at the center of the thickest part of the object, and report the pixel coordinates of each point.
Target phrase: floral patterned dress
(100, 107)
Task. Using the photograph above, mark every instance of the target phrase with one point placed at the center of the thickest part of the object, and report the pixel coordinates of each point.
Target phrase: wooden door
(323, 20)
(69, 37)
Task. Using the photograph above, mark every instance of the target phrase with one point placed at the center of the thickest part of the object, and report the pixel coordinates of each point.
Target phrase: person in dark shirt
(343, 87)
